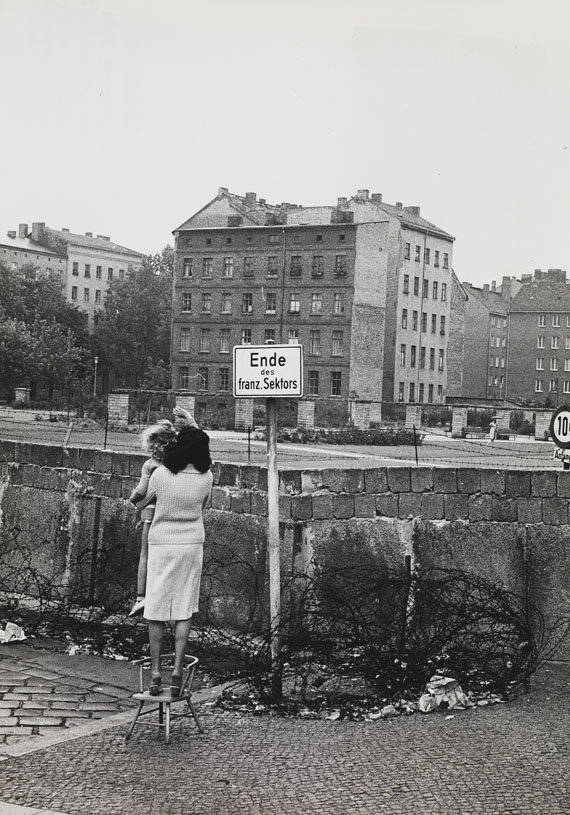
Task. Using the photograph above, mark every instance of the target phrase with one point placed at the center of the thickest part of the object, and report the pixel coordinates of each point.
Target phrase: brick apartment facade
(84, 264)
(364, 286)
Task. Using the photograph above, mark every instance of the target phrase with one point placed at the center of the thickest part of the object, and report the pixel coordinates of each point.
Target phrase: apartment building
(84, 264)
(351, 282)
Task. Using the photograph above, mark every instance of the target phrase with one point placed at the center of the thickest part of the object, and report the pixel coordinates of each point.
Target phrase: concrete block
(422, 479)
(517, 484)
(387, 505)
(529, 510)
(322, 506)
(504, 509)
(107, 485)
(229, 475)
(544, 484)
(555, 511)
(311, 481)
(103, 461)
(480, 508)
(456, 507)
(7, 451)
(221, 498)
(343, 506)
(284, 508)
(301, 507)
(259, 504)
(410, 505)
(444, 479)
(343, 480)
(364, 505)
(399, 479)
(493, 481)
(376, 480)
(240, 502)
(135, 464)
(433, 505)
(249, 476)
(43, 455)
(549, 577)
(120, 464)
(468, 480)
(563, 482)
(290, 482)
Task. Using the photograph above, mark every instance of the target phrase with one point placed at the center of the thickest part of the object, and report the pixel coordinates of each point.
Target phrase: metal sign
(560, 427)
(268, 371)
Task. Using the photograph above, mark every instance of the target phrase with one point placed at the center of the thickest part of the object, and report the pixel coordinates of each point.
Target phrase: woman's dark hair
(192, 446)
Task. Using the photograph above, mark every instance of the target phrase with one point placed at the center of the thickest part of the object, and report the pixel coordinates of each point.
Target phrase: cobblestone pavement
(511, 758)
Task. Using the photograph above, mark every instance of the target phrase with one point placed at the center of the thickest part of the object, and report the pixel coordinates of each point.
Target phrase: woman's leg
(141, 572)
(181, 634)
(155, 637)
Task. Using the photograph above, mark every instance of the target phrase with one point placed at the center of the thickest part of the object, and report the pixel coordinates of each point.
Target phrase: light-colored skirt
(173, 581)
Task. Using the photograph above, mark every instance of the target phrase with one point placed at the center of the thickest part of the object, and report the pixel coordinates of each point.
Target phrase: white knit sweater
(180, 500)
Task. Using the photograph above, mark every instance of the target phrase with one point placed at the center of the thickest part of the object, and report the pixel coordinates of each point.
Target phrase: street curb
(32, 744)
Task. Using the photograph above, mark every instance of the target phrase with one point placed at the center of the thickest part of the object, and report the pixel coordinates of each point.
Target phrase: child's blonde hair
(157, 438)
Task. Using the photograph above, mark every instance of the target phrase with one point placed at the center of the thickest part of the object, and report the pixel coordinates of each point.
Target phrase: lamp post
(96, 360)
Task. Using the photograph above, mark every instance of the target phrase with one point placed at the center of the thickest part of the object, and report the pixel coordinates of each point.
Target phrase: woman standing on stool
(181, 489)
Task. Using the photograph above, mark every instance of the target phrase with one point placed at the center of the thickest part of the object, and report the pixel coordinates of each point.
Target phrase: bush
(381, 436)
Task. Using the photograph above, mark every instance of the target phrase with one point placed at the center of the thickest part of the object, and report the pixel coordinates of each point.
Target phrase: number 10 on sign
(560, 427)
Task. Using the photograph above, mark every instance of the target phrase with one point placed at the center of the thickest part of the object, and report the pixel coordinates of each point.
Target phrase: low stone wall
(69, 508)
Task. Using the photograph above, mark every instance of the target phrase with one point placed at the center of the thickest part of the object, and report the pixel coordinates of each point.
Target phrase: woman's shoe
(156, 687)
(175, 684)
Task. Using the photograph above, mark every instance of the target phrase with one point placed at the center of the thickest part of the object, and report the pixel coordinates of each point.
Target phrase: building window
(338, 302)
(269, 335)
(445, 260)
(224, 340)
(246, 336)
(226, 303)
(272, 266)
(121, 274)
(426, 261)
(296, 267)
(109, 273)
(432, 359)
(296, 239)
(440, 394)
(187, 267)
(206, 303)
(207, 267)
(443, 292)
(208, 241)
(224, 379)
(229, 240)
(440, 360)
(434, 290)
(203, 378)
(497, 362)
(248, 267)
(538, 385)
(442, 326)
(337, 341)
(315, 342)
(433, 323)
(555, 342)
(74, 292)
(435, 263)
(401, 391)
(98, 296)
(87, 270)
(186, 301)
(316, 303)
(407, 249)
(540, 342)
(421, 392)
(416, 286)
(313, 383)
(567, 343)
(541, 321)
(340, 265)
(412, 356)
(553, 386)
(319, 238)
(412, 392)
(414, 320)
(318, 266)
(247, 303)
(403, 354)
(274, 239)
(271, 302)
(185, 334)
(336, 383)
(556, 321)
(228, 267)
(85, 295)
(294, 302)
(422, 357)
(75, 270)
(204, 341)
(98, 272)
(430, 389)
(183, 377)
(424, 322)
(293, 336)
(406, 284)
(567, 386)
(553, 364)
(418, 256)
(404, 318)
(425, 289)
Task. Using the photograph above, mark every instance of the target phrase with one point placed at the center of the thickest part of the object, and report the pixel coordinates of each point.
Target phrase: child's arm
(150, 495)
(141, 488)
(184, 418)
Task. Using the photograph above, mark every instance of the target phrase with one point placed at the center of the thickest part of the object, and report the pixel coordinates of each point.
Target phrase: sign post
(270, 371)
(560, 432)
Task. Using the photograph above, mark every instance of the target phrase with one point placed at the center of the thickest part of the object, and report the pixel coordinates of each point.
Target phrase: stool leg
(195, 715)
(134, 721)
(161, 712)
(167, 731)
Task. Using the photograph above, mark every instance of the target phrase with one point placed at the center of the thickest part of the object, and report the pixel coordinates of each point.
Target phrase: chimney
(362, 195)
(23, 230)
(104, 237)
(413, 211)
(222, 190)
(261, 201)
(37, 231)
(398, 205)
(250, 199)
(493, 285)
(64, 229)
(12, 233)
(485, 287)
(341, 202)
(376, 197)
(89, 234)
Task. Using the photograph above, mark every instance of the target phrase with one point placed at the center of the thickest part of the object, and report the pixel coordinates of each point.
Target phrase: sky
(123, 117)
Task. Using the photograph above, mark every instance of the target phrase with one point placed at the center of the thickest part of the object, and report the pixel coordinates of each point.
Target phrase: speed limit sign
(560, 427)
